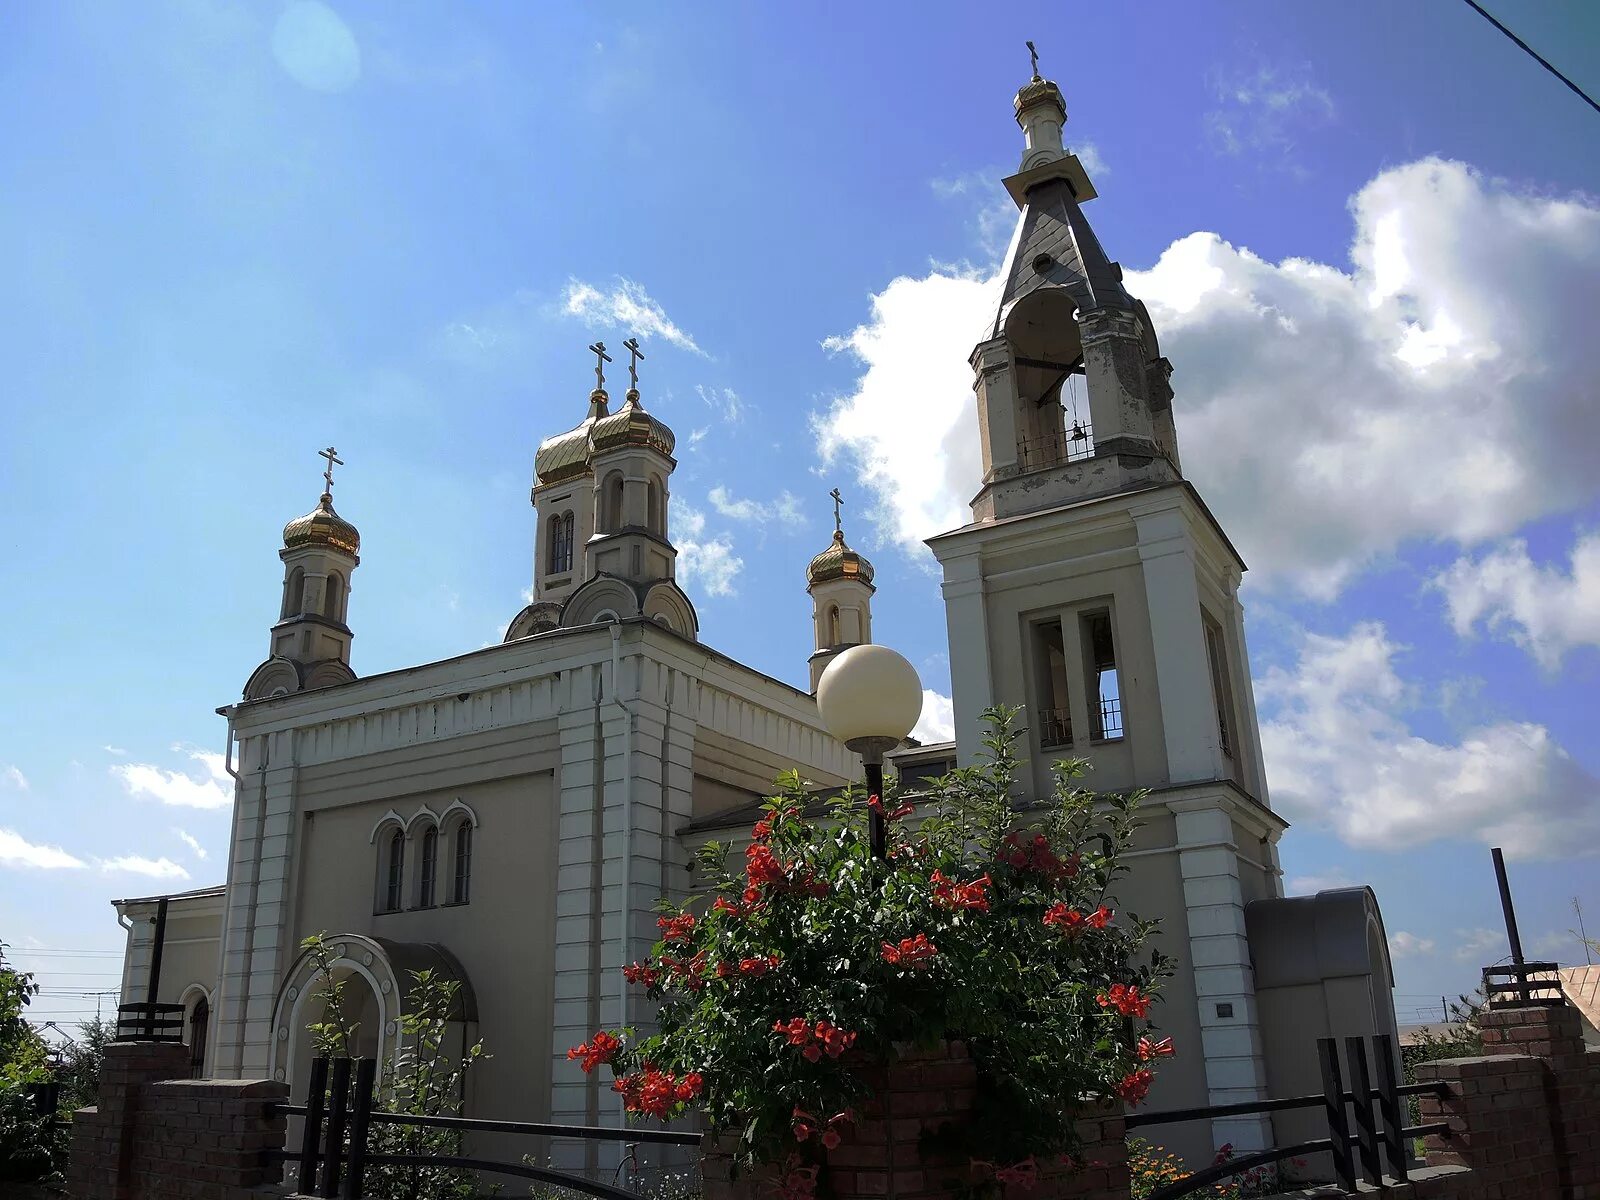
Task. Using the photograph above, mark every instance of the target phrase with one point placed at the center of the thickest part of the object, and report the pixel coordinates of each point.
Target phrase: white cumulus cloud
(17, 851)
(11, 776)
(785, 509)
(1341, 755)
(133, 864)
(189, 840)
(1437, 388)
(705, 564)
(627, 306)
(1409, 945)
(938, 720)
(1544, 609)
(181, 789)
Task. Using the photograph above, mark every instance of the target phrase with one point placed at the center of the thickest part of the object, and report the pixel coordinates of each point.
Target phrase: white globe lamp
(869, 698)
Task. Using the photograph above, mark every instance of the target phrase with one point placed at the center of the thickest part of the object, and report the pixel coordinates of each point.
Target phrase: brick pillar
(104, 1137)
(1500, 1124)
(882, 1155)
(1554, 1033)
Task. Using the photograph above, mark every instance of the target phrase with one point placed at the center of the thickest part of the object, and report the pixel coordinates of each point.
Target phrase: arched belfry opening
(1046, 351)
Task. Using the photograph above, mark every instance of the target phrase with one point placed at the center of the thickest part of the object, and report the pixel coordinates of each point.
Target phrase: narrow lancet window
(1105, 693)
(429, 868)
(461, 892)
(1050, 668)
(1221, 690)
(394, 874)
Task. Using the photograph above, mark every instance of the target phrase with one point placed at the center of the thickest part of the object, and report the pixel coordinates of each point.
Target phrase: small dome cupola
(566, 455)
(838, 561)
(1042, 113)
(840, 582)
(323, 527)
(311, 642)
(630, 425)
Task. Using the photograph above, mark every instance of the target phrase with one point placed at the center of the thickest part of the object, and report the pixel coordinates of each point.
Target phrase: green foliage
(425, 1078)
(79, 1072)
(1151, 1167)
(810, 932)
(28, 1145)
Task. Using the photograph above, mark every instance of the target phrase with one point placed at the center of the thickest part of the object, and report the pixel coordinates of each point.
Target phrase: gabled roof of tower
(1054, 247)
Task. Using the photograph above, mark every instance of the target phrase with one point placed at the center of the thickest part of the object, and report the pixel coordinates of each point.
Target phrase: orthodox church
(508, 817)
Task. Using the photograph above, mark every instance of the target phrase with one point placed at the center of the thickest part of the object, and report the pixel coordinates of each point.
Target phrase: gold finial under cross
(838, 503)
(634, 355)
(333, 458)
(600, 360)
(1034, 54)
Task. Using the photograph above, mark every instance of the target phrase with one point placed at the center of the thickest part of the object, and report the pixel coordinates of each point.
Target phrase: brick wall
(156, 1136)
(882, 1157)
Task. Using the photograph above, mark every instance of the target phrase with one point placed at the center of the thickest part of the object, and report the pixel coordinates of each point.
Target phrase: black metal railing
(334, 1154)
(1108, 721)
(1379, 1133)
(150, 1022)
(1055, 727)
(1520, 985)
(1057, 446)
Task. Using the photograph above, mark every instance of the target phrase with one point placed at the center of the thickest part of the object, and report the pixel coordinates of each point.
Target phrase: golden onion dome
(1039, 91)
(630, 425)
(838, 561)
(322, 527)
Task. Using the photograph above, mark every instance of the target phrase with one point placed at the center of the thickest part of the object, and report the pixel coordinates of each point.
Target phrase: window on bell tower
(1105, 693)
(561, 526)
(1221, 689)
(1054, 718)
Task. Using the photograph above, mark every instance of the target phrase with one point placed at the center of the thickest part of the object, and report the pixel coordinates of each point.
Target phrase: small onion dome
(630, 425)
(1039, 91)
(564, 456)
(322, 527)
(838, 561)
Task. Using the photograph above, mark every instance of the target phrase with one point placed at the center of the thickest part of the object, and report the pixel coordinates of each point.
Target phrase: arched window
(294, 593)
(613, 502)
(653, 507)
(561, 526)
(394, 872)
(199, 1022)
(461, 885)
(429, 870)
(333, 598)
(834, 636)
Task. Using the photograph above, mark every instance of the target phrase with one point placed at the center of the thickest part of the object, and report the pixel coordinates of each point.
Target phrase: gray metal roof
(1053, 224)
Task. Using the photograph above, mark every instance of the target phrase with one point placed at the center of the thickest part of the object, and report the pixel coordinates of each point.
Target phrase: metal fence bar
(356, 1165)
(306, 1181)
(589, 1132)
(1217, 1172)
(1333, 1101)
(1389, 1108)
(333, 1142)
(1355, 1049)
(561, 1179)
(1243, 1108)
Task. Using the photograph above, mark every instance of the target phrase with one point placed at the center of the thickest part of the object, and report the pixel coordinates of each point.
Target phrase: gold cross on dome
(333, 458)
(634, 356)
(601, 358)
(838, 503)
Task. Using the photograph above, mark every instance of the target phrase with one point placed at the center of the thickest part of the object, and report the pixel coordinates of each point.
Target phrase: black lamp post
(870, 698)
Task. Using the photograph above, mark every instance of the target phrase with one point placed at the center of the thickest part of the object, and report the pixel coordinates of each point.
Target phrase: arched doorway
(199, 1023)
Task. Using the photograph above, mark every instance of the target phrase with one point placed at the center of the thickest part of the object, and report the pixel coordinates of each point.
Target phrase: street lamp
(870, 698)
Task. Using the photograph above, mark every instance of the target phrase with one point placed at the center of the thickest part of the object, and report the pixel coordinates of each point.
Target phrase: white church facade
(510, 816)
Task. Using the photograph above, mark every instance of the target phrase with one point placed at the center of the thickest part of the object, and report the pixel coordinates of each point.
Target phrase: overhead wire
(1532, 53)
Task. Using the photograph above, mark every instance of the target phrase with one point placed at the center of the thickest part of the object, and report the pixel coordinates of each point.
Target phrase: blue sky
(236, 233)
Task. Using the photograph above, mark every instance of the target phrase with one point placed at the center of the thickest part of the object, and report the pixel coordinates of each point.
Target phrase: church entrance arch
(377, 975)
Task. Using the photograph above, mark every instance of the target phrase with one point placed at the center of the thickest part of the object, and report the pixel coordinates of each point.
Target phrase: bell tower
(840, 583)
(1095, 591)
(311, 641)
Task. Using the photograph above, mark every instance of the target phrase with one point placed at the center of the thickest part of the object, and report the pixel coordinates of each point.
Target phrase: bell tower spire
(840, 583)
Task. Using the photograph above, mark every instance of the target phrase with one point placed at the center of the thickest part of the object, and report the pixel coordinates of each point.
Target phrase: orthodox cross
(333, 458)
(600, 360)
(634, 355)
(1034, 54)
(838, 502)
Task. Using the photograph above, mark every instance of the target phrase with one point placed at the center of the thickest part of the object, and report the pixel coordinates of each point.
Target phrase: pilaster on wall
(967, 620)
(1183, 676)
(1224, 983)
(255, 931)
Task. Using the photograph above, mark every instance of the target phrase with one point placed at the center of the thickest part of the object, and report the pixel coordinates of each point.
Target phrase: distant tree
(26, 1141)
(81, 1056)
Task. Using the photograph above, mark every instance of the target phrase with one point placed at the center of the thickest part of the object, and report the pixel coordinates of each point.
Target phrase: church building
(508, 817)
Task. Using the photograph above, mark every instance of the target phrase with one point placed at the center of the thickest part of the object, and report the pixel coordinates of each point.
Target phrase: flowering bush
(788, 976)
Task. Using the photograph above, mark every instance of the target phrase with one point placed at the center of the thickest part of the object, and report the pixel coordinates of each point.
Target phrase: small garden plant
(807, 959)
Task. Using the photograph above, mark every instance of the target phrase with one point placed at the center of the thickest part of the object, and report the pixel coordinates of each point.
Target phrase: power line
(1537, 57)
